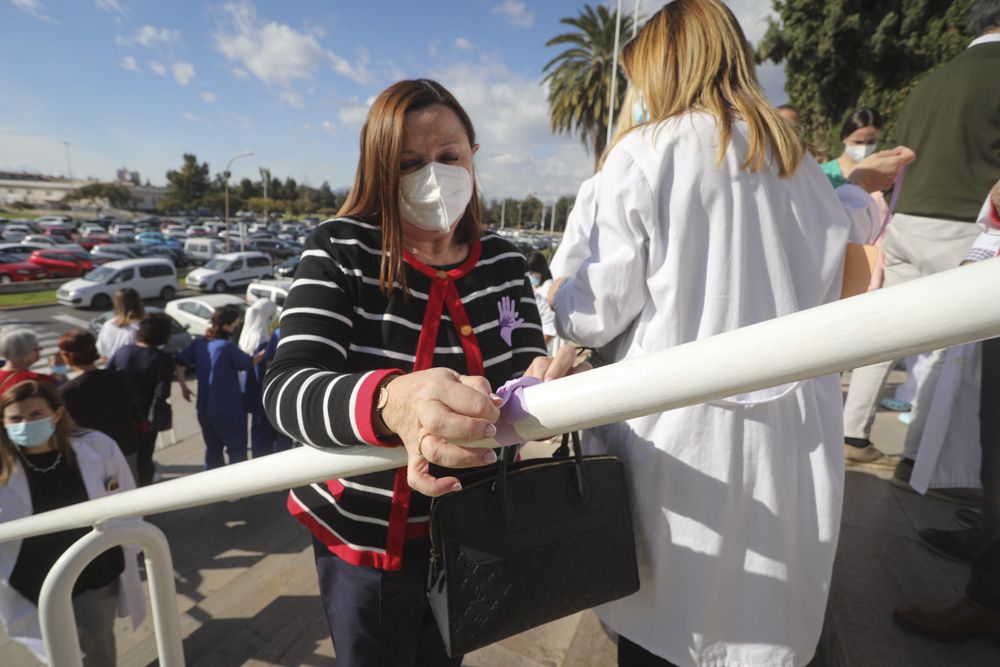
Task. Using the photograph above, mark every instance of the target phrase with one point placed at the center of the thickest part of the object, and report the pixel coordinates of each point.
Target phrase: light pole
(69, 166)
(225, 175)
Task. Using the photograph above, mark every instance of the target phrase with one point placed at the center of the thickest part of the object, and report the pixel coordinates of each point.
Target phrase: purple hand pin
(508, 319)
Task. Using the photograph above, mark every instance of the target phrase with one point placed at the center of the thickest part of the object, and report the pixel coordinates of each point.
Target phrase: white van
(275, 290)
(230, 270)
(202, 249)
(151, 277)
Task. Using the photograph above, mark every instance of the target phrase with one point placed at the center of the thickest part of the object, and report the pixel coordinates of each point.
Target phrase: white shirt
(112, 337)
(735, 504)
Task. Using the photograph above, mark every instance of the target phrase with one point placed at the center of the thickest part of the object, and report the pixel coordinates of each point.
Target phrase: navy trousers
(264, 438)
(379, 618)
(224, 434)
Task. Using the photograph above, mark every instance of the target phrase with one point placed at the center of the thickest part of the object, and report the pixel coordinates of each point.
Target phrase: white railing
(949, 308)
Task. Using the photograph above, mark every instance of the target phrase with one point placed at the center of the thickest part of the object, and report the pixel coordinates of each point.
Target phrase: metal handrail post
(55, 602)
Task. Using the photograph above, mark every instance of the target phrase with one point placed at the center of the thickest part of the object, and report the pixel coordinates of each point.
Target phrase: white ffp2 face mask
(859, 153)
(435, 196)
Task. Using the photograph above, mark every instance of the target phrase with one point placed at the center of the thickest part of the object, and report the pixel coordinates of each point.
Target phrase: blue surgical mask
(60, 369)
(640, 114)
(31, 434)
(535, 280)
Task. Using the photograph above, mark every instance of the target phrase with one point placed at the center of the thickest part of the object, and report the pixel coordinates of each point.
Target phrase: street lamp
(225, 175)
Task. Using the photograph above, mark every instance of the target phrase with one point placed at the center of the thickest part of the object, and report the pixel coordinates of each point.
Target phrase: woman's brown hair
(78, 347)
(220, 318)
(692, 55)
(128, 307)
(10, 454)
(375, 194)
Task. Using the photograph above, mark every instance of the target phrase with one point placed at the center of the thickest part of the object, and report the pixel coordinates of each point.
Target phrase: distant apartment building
(47, 191)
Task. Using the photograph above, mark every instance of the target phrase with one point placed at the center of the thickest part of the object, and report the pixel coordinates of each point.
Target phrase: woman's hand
(429, 408)
(877, 171)
(552, 368)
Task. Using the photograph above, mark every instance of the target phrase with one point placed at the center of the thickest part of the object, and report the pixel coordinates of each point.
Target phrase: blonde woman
(121, 330)
(45, 464)
(709, 215)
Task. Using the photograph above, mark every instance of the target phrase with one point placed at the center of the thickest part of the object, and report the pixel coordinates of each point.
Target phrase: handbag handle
(501, 506)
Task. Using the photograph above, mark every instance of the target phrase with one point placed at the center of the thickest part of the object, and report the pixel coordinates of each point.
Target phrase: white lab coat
(101, 462)
(736, 504)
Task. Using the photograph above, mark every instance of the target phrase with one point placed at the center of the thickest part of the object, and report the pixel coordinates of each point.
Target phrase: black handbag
(526, 543)
(161, 414)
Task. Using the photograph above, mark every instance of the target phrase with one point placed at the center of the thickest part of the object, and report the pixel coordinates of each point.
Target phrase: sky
(137, 84)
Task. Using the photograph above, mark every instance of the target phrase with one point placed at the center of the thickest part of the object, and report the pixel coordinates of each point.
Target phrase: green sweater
(952, 120)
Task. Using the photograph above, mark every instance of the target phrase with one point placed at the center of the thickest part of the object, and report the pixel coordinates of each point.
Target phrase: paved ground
(247, 590)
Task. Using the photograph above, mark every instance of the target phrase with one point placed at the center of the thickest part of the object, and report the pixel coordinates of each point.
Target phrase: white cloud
(240, 73)
(515, 12)
(129, 63)
(33, 7)
(151, 37)
(110, 6)
(239, 120)
(292, 99)
(191, 117)
(183, 72)
(327, 125)
(462, 44)
(518, 152)
(434, 47)
(276, 53)
(157, 68)
(353, 115)
(208, 96)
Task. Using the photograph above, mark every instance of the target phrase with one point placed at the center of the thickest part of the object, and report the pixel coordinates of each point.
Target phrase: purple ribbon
(512, 409)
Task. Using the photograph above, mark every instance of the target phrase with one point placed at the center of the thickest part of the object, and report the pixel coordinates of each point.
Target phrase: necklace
(47, 468)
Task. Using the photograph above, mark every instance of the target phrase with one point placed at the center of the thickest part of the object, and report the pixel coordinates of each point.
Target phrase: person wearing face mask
(403, 317)
(46, 462)
(217, 361)
(859, 134)
(541, 280)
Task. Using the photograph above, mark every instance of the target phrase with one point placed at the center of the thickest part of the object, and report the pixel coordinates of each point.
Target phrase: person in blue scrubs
(217, 361)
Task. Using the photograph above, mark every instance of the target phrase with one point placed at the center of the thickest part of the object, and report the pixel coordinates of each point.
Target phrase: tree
(248, 189)
(187, 186)
(841, 55)
(102, 194)
(579, 78)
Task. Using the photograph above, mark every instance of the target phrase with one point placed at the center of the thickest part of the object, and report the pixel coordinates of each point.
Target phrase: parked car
(122, 230)
(195, 313)
(203, 249)
(61, 263)
(278, 250)
(15, 269)
(88, 242)
(22, 250)
(150, 237)
(41, 240)
(90, 229)
(151, 277)
(64, 220)
(176, 255)
(230, 270)
(287, 268)
(275, 290)
(16, 232)
(112, 251)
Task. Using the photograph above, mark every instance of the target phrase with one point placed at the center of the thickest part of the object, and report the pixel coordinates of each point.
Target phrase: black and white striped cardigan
(340, 336)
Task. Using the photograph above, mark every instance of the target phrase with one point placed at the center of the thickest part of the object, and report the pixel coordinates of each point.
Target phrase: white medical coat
(100, 461)
(736, 504)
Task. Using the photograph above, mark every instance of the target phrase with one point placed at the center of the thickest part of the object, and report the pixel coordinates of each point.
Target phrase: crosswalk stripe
(69, 319)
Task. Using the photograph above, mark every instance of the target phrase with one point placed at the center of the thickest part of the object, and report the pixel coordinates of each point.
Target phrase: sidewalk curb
(30, 306)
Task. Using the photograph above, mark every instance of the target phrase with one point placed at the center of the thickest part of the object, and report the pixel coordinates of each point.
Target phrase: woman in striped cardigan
(402, 319)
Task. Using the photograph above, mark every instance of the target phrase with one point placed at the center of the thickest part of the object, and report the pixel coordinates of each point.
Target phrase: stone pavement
(247, 587)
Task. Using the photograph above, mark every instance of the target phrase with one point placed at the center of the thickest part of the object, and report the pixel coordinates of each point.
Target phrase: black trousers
(379, 618)
(144, 458)
(984, 582)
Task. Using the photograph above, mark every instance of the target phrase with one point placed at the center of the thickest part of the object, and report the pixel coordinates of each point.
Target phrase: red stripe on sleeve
(367, 398)
(994, 216)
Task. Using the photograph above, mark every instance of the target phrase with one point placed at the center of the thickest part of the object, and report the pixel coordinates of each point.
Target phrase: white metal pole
(635, 17)
(55, 601)
(945, 309)
(503, 212)
(614, 75)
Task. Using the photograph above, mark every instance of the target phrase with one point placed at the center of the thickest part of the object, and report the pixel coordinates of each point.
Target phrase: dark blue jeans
(264, 438)
(379, 618)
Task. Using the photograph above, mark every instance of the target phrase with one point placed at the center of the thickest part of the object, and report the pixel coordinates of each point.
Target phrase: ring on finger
(420, 443)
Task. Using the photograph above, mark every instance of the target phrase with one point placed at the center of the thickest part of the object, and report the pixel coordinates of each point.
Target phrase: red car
(14, 270)
(65, 263)
(88, 242)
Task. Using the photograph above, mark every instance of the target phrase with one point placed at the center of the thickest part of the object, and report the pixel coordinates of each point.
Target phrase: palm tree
(579, 78)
